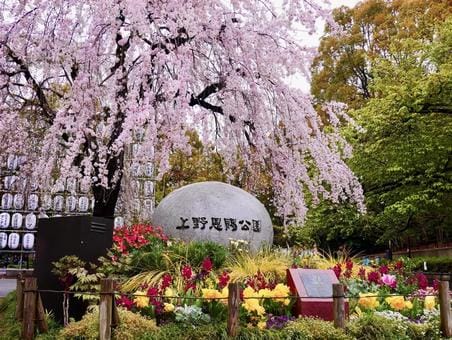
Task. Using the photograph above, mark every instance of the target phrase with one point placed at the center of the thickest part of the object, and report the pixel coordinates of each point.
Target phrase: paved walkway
(6, 286)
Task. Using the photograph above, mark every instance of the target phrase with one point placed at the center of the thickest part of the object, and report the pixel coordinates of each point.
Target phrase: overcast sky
(313, 40)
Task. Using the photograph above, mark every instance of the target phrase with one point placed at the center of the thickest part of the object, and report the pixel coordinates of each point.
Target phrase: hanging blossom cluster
(79, 78)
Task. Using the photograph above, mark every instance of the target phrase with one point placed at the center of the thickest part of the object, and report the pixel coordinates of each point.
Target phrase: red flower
(186, 272)
(166, 281)
(153, 291)
(125, 302)
(136, 236)
(422, 282)
(373, 277)
(349, 265)
(337, 270)
(190, 285)
(207, 265)
(435, 284)
(362, 273)
(223, 280)
(383, 269)
(398, 265)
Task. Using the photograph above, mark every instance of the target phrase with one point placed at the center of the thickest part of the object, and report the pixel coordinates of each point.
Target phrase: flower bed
(184, 285)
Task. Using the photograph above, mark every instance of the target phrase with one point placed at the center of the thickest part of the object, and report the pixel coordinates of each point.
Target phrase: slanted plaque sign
(315, 290)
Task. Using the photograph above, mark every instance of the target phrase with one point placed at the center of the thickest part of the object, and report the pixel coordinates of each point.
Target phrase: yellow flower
(248, 292)
(396, 302)
(368, 300)
(224, 295)
(210, 294)
(169, 292)
(281, 291)
(262, 325)
(141, 300)
(408, 304)
(429, 302)
(265, 293)
(250, 304)
(168, 307)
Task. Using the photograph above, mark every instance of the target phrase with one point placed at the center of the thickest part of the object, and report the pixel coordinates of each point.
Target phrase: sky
(313, 40)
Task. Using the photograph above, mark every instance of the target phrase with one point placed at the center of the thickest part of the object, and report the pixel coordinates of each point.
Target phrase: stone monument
(214, 211)
(315, 290)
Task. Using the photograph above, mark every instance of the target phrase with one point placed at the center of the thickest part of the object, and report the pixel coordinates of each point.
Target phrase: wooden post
(41, 316)
(29, 313)
(105, 308)
(115, 315)
(444, 308)
(19, 299)
(338, 305)
(233, 308)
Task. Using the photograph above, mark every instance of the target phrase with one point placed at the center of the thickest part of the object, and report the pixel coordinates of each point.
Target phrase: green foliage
(315, 329)
(150, 262)
(10, 328)
(440, 264)
(203, 164)
(371, 326)
(131, 326)
(78, 276)
(403, 155)
(195, 252)
(191, 316)
(373, 29)
(271, 264)
(300, 329)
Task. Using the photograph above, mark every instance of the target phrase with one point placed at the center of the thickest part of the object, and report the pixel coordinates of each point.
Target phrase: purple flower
(278, 322)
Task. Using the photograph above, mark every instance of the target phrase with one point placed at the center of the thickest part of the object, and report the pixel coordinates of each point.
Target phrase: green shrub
(195, 252)
(430, 331)
(315, 329)
(441, 264)
(373, 327)
(309, 329)
(377, 327)
(9, 327)
(131, 326)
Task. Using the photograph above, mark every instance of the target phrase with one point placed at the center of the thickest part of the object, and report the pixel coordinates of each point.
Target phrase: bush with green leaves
(131, 326)
(372, 327)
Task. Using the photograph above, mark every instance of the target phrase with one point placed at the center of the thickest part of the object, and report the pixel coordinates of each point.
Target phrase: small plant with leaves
(191, 315)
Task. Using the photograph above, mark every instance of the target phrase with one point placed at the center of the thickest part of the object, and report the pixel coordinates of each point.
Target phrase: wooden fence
(30, 310)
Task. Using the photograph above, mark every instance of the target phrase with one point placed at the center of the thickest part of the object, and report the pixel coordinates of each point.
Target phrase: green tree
(403, 156)
(373, 29)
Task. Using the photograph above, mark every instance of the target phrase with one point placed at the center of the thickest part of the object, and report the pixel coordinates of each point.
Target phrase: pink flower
(389, 280)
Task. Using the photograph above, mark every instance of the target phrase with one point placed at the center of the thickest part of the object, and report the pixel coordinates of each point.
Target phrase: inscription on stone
(317, 283)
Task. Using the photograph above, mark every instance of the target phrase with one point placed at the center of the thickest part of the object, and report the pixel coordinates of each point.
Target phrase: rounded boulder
(214, 211)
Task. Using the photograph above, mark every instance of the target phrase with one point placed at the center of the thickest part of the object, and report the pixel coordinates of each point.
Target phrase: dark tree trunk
(105, 199)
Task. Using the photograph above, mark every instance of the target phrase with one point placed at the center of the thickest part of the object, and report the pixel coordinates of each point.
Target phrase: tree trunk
(105, 199)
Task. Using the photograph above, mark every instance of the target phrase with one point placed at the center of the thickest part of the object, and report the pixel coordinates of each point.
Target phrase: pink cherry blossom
(78, 78)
